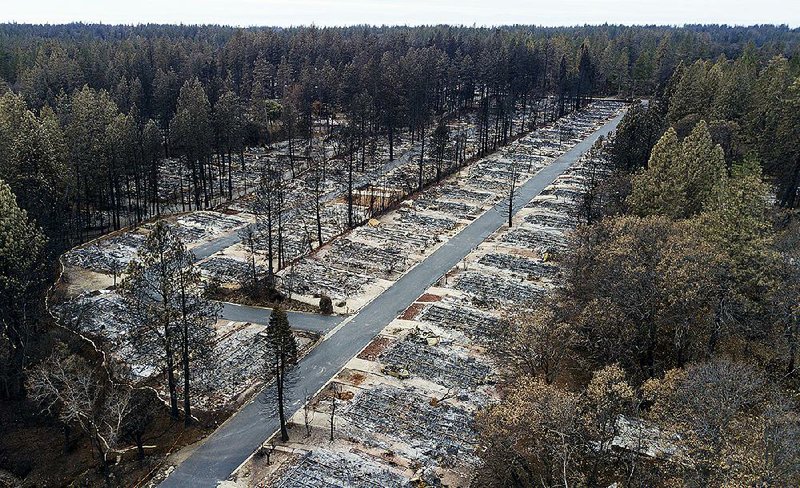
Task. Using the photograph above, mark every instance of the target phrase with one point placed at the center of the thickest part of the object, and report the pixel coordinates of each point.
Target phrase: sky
(410, 12)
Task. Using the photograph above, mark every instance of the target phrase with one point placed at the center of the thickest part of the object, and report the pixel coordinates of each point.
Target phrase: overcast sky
(412, 12)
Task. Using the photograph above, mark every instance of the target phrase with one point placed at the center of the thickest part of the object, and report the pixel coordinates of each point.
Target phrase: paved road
(205, 250)
(234, 441)
(298, 320)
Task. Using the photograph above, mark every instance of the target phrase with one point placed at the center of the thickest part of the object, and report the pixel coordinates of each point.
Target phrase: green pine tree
(282, 353)
(680, 176)
(703, 164)
(660, 189)
(21, 244)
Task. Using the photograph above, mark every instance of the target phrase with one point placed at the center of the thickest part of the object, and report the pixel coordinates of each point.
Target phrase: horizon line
(410, 25)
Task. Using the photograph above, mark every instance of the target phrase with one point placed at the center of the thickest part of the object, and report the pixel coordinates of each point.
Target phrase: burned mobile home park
(430, 255)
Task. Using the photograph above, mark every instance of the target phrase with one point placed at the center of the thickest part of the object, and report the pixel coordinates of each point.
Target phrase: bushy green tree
(21, 244)
(788, 137)
(660, 189)
(637, 133)
(680, 176)
(693, 93)
(32, 163)
(703, 167)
